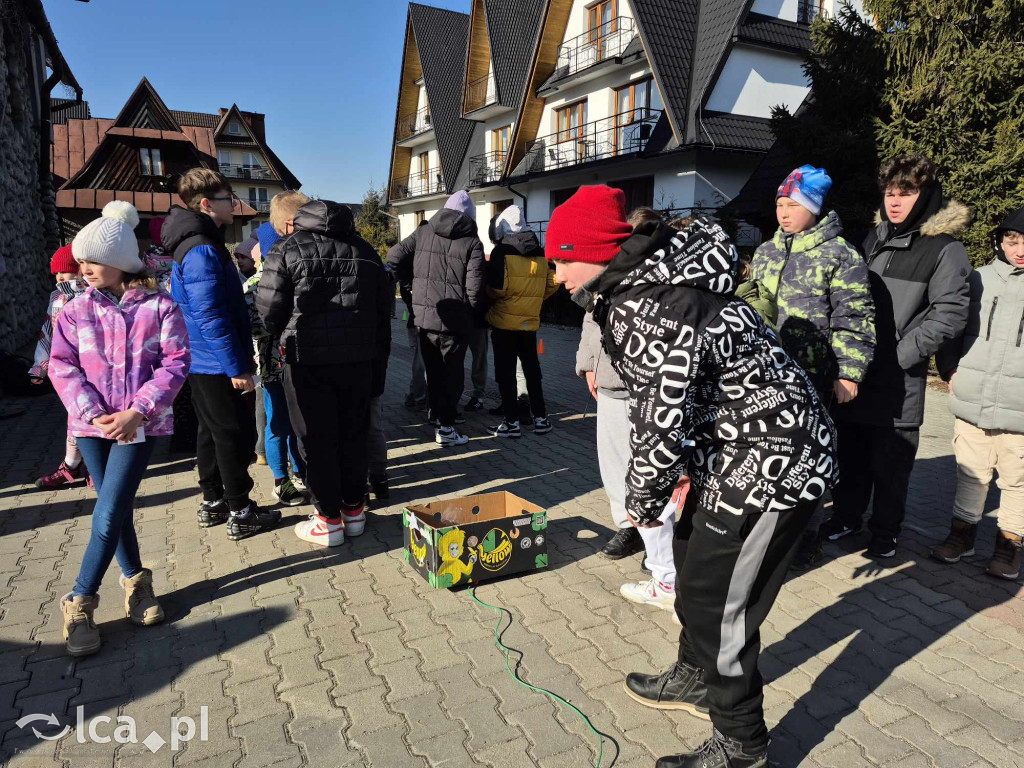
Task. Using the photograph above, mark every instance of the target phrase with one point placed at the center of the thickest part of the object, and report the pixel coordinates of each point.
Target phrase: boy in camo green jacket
(826, 316)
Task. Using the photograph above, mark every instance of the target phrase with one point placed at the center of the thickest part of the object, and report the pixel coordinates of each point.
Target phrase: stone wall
(24, 230)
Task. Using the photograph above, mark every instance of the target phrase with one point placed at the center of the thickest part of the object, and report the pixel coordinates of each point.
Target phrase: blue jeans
(117, 471)
(280, 439)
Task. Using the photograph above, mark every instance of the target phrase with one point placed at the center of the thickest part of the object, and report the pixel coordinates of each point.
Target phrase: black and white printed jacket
(712, 393)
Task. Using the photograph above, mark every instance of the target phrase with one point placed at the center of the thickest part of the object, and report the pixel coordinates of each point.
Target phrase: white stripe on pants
(613, 431)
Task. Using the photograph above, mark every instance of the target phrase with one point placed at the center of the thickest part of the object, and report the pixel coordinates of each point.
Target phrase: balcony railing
(260, 206)
(414, 124)
(595, 45)
(481, 93)
(484, 169)
(624, 134)
(252, 172)
(429, 182)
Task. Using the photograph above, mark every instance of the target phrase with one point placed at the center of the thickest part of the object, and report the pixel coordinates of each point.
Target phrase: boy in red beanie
(65, 270)
(713, 397)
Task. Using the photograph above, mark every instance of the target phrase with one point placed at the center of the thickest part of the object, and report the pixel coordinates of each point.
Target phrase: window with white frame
(234, 128)
(151, 162)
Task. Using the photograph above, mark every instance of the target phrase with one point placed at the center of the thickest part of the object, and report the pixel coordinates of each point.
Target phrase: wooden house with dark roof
(669, 100)
(139, 155)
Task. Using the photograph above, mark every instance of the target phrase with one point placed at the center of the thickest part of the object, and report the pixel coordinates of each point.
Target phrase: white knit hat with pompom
(111, 239)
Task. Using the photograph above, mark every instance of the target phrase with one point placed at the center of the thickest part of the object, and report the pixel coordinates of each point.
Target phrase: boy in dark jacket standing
(919, 285)
(443, 263)
(208, 288)
(519, 281)
(713, 397)
(826, 318)
(326, 294)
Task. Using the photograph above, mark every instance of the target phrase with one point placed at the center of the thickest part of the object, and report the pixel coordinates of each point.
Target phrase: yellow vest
(516, 306)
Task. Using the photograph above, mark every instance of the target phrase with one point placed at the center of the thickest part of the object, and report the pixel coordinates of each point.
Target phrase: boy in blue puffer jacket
(208, 288)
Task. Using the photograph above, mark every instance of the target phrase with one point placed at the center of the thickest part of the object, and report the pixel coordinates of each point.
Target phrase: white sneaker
(354, 521)
(449, 438)
(318, 531)
(651, 592)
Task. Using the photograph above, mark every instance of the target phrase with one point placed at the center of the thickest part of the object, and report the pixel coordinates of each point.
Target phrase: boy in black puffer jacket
(326, 294)
(713, 398)
(443, 264)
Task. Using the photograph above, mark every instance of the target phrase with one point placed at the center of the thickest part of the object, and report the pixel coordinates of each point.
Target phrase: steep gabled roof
(251, 139)
(513, 27)
(668, 30)
(716, 27)
(775, 33)
(145, 109)
(441, 37)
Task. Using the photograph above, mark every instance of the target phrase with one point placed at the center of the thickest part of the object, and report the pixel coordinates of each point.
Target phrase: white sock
(72, 462)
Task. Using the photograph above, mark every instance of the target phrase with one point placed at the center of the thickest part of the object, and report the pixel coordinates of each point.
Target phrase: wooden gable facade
(138, 157)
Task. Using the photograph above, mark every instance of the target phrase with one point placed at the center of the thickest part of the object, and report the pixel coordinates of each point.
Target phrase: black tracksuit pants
(729, 570)
(225, 441)
(329, 407)
(878, 459)
(510, 346)
(444, 357)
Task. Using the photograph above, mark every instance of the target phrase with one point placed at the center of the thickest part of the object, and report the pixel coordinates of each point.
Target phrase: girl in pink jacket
(119, 356)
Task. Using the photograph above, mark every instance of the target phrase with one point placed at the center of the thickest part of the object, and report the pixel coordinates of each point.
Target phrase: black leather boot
(624, 543)
(717, 752)
(681, 687)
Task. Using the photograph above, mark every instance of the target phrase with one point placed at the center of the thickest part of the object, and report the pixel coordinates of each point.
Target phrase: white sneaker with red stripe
(651, 592)
(354, 519)
(321, 531)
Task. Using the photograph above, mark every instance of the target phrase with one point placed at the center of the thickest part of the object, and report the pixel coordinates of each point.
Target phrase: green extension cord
(555, 696)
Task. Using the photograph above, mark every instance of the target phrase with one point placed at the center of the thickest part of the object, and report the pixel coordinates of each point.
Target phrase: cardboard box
(474, 538)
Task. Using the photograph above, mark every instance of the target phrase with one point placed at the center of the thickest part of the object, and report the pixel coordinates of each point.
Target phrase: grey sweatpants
(613, 432)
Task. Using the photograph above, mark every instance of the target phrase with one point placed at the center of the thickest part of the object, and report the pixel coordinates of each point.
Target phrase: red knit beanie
(590, 226)
(63, 261)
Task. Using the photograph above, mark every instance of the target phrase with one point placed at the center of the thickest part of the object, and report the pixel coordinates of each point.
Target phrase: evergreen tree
(374, 224)
(835, 127)
(954, 91)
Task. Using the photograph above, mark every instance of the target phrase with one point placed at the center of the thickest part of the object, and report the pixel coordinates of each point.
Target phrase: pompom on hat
(63, 261)
(590, 226)
(111, 239)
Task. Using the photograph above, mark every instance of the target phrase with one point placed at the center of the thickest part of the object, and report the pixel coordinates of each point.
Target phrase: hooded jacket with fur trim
(712, 393)
(919, 286)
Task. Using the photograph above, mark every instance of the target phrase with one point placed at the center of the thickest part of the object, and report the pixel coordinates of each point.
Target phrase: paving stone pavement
(346, 658)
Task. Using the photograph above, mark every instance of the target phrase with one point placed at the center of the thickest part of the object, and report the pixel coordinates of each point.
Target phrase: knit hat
(808, 186)
(509, 222)
(63, 261)
(590, 226)
(155, 225)
(267, 236)
(110, 239)
(462, 202)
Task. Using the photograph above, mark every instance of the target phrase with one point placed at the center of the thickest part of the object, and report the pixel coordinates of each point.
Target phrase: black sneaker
(541, 425)
(213, 513)
(474, 404)
(808, 554)
(507, 429)
(624, 543)
(681, 687)
(381, 492)
(834, 529)
(881, 546)
(718, 752)
(252, 520)
(288, 494)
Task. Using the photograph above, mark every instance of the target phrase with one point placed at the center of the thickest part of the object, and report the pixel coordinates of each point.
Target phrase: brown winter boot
(140, 604)
(1005, 562)
(81, 636)
(959, 543)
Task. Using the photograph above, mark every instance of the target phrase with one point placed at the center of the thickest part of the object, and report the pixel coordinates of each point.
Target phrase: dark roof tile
(716, 28)
(728, 131)
(196, 119)
(441, 39)
(74, 111)
(777, 33)
(513, 27)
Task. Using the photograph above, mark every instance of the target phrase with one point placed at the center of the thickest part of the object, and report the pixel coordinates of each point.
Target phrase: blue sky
(325, 72)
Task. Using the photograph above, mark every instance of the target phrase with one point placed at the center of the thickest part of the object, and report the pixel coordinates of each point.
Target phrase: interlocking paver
(309, 657)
